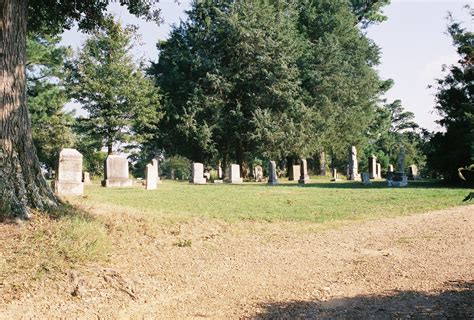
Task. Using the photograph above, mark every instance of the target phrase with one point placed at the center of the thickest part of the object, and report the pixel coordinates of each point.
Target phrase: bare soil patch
(419, 266)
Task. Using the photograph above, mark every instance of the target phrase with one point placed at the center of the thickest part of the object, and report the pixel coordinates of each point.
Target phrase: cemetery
(254, 161)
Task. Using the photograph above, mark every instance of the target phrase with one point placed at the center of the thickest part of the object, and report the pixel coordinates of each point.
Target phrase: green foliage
(122, 104)
(246, 80)
(391, 129)
(219, 70)
(339, 82)
(369, 11)
(454, 103)
(52, 17)
(46, 97)
(176, 167)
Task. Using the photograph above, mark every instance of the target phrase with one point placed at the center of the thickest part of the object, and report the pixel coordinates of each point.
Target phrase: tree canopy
(246, 80)
(122, 104)
(46, 94)
(454, 148)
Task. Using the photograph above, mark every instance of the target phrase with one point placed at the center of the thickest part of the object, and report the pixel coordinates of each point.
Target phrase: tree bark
(22, 185)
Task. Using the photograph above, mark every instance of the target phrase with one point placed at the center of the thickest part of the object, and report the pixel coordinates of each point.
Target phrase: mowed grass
(318, 202)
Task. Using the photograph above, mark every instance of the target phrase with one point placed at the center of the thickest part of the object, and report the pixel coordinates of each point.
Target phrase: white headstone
(197, 174)
(295, 172)
(151, 175)
(116, 172)
(258, 173)
(86, 177)
(353, 169)
(234, 174)
(68, 179)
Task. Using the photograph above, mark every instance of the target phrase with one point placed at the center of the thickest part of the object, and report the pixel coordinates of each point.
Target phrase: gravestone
(295, 172)
(399, 178)
(86, 178)
(322, 164)
(258, 173)
(365, 178)
(304, 176)
(234, 174)
(207, 175)
(272, 174)
(413, 172)
(68, 179)
(116, 172)
(334, 175)
(378, 170)
(151, 175)
(219, 172)
(353, 170)
(390, 168)
(197, 173)
(373, 167)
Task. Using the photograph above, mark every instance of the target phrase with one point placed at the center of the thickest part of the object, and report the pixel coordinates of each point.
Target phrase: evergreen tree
(339, 81)
(454, 148)
(122, 104)
(51, 126)
(224, 72)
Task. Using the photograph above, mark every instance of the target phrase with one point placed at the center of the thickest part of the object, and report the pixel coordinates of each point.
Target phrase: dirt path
(420, 266)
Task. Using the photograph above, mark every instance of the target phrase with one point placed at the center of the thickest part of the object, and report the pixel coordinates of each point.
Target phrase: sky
(413, 42)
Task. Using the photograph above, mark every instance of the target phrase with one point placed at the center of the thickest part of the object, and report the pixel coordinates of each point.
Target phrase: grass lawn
(321, 201)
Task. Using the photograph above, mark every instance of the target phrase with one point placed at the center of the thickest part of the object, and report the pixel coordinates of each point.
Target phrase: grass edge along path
(318, 202)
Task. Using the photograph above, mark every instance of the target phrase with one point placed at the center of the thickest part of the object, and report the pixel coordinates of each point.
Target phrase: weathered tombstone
(365, 178)
(116, 172)
(378, 170)
(322, 164)
(373, 167)
(334, 175)
(390, 168)
(68, 179)
(353, 170)
(401, 160)
(219, 172)
(399, 178)
(413, 172)
(86, 178)
(234, 174)
(197, 173)
(258, 173)
(304, 176)
(295, 172)
(151, 175)
(272, 173)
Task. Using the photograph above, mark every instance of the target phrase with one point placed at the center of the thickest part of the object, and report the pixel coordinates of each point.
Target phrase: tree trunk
(22, 185)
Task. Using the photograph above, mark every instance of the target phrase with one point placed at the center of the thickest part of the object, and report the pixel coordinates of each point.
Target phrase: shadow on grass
(379, 184)
(67, 210)
(455, 303)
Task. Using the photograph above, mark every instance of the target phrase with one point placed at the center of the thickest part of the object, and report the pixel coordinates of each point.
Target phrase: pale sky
(413, 41)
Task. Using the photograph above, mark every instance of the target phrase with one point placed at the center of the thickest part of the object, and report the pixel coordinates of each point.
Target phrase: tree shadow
(378, 184)
(457, 302)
